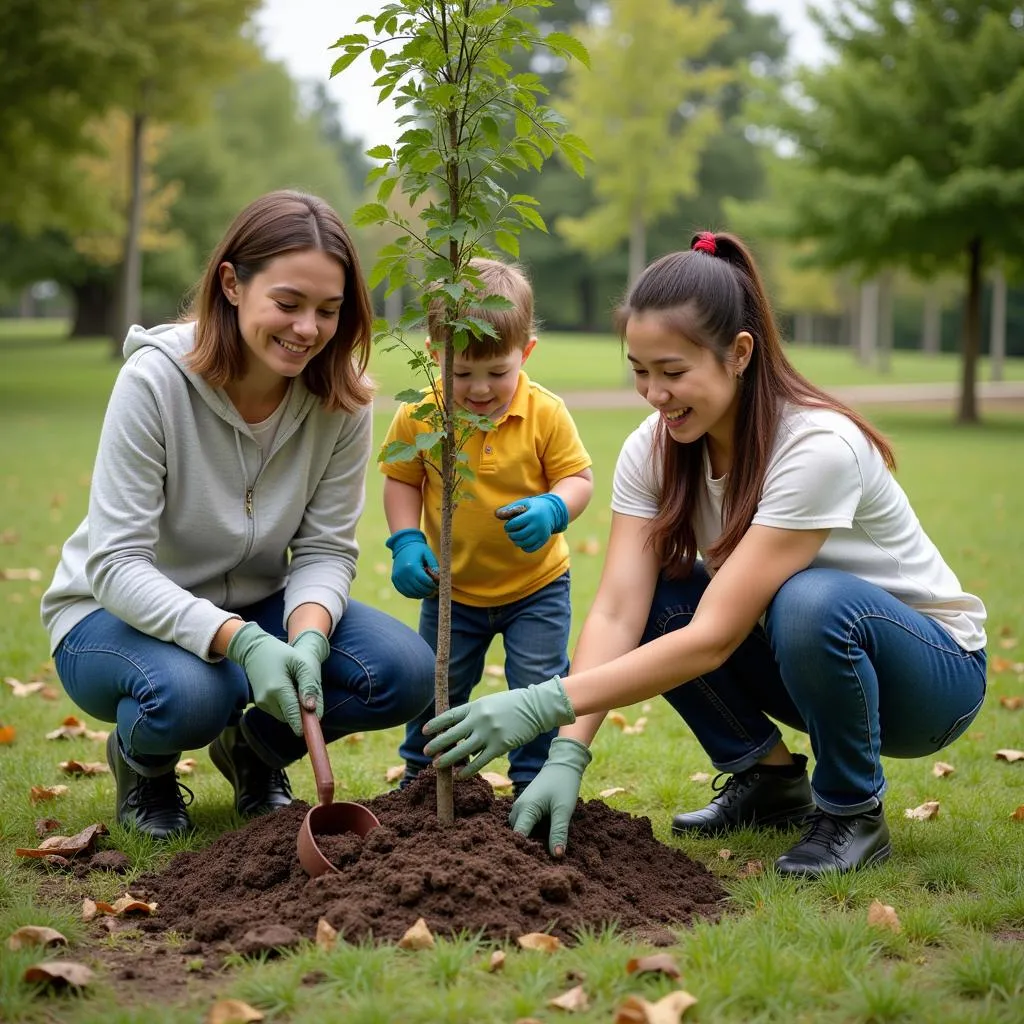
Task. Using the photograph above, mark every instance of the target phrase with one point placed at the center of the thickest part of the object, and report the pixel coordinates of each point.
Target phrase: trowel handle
(318, 756)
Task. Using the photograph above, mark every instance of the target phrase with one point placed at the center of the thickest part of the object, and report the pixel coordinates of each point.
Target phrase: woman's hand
(495, 724)
(553, 794)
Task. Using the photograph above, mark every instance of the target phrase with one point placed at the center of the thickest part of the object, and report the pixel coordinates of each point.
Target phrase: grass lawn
(785, 953)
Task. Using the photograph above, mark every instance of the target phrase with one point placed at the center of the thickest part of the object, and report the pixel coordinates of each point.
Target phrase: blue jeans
(861, 672)
(535, 631)
(166, 700)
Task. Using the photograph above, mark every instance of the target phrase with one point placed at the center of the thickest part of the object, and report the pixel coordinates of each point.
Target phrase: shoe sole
(780, 822)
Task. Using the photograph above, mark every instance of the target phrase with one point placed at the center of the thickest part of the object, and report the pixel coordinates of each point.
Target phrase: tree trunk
(637, 247)
(803, 328)
(94, 309)
(131, 264)
(931, 322)
(968, 412)
(885, 321)
(586, 295)
(26, 303)
(997, 335)
(393, 306)
(867, 341)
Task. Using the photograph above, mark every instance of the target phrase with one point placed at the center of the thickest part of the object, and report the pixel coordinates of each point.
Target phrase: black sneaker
(832, 843)
(754, 798)
(259, 789)
(154, 805)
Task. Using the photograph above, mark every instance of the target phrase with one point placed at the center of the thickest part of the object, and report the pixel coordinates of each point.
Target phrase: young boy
(510, 576)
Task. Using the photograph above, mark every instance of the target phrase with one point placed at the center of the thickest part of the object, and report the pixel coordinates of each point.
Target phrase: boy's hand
(541, 516)
(553, 794)
(413, 564)
(496, 724)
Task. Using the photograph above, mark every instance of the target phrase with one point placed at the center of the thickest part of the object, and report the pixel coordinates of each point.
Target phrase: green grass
(786, 953)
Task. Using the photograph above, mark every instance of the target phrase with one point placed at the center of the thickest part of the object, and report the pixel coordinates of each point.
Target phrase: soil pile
(476, 875)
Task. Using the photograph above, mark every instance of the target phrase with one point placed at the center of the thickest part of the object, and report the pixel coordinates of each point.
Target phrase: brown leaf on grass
(725, 854)
(700, 777)
(186, 766)
(232, 1011)
(7, 734)
(612, 791)
(44, 826)
(1012, 703)
(941, 769)
(496, 780)
(574, 1000)
(637, 728)
(1008, 643)
(417, 937)
(394, 773)
(656, 963)
(496, 962)
(540, 941)
(494, 672)
(49, 692)
(59, 972)
(71, 728)
(618, 719)
(32, 575)
(66, 846)
(925, 812)
(129, 904)
(9, 536)
(83, 767)
(20, 689)
(1010, 755)
(590, 546)
(997, 664)
(1018, 815)
(881, 915)
(326, 934)
(668, 1010)
(37, 794)
(35, 935)
(750, 869)
(353, 738)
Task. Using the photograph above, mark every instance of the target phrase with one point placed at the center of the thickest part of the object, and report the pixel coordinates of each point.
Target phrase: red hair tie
(706, 243)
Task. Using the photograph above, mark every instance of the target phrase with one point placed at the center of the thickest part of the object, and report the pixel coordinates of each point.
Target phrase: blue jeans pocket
(957, 729)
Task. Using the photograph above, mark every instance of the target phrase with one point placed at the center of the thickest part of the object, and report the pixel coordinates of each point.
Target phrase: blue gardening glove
(553, 794)
(496, 724)
(280, 676)
(541, 516)
(412, 560)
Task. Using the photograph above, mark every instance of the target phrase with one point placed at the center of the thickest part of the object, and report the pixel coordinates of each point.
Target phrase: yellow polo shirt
(531, 447)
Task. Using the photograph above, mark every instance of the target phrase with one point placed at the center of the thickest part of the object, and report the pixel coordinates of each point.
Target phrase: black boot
(832, 843)
(757, 798)
(154, 805)
(259, 788)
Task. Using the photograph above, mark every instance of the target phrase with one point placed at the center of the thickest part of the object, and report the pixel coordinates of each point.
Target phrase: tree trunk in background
(885, 321)
(394, 306)
(997, 337)
(94, 309)
(130, 288)
(931, 322)
(26, 303)
(803, 328)
(867, 322)
(586, 296)
(968, 412)
(637, 247)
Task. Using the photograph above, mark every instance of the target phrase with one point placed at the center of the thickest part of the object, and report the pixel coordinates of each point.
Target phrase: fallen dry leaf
(417, 937)
(590, 546)
(35, 935)
(44, 826)
(7, 734)
(496, 780)
(1012, 703)
(232, 1011)
(613, 791)
(998, 664)
(20, 689)
(59, 972)
(751, 869)
(496, 962)
(66, 846)
(540, 941)
(1008, 643)
(37, 794)
(668, 1010)
(49, 692)
(572, 1001)
(656, 963)
(494, 672)
(1018, 815)
(940, 769)
(636, 728)
(618, 719)
(186, 766)
(353, 738)
(326, 934)
(129, 904)
(1010, 755)
(725, 854)
(90, 908)
(700, 777)
(925, 812)
(881, 915)
(395, 773)
(32, 575)
(9, 536)
(71, 728)
(83, 767)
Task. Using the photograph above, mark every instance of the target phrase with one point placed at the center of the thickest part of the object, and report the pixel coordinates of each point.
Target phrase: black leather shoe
(259, 789)
(154, 805)
(754, 798)
(838, 844)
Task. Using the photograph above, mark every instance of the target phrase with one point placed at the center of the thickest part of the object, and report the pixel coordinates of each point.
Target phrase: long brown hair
(275, 224)
(710, 295)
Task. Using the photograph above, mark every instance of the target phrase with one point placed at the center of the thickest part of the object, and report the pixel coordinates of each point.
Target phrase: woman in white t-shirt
(763, 566)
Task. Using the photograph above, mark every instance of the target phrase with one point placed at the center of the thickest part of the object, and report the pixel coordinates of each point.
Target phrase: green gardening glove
(495, 724)
(312, 645)
(553, 794)
(279, 675)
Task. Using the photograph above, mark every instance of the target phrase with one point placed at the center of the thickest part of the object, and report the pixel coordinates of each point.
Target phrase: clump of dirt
(476, 875)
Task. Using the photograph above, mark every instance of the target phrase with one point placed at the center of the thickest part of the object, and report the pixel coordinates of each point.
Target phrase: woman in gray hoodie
(212, 571)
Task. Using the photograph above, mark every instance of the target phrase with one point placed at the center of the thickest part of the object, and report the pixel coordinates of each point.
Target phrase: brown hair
(709, 298)
(514, 326)
(271, 226)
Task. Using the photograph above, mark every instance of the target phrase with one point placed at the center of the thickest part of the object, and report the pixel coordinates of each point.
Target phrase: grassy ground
(787, 952)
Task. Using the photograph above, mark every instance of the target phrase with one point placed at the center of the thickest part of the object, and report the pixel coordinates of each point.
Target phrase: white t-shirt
(824, 473)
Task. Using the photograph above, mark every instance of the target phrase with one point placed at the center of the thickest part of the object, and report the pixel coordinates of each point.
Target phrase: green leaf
(378, 58)
(507, 242)
(353, 39)
(380, 153)
(344, 61)
(398, 451)
(427, 440)
(371, 213)
(561, 42)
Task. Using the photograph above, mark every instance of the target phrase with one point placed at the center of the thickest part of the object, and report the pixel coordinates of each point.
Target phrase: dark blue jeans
(165, 700)
(858, 670)
(535, 631)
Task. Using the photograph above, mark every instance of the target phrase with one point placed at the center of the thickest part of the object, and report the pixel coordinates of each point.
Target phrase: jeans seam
(350, 696)
(875, 749)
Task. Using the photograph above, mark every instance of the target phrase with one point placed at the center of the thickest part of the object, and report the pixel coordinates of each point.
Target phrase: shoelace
(278, 780)
(825, 831)
(160, 789)
(731, 786)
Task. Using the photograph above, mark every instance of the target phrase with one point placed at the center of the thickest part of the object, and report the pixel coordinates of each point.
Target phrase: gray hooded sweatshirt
(179, 532)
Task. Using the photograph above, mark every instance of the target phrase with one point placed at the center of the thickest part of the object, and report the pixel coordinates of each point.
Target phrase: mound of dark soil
(476, 876)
